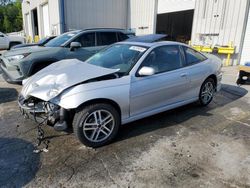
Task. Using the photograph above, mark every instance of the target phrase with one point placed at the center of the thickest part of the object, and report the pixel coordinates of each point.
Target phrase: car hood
(52, 80)
(29, 49)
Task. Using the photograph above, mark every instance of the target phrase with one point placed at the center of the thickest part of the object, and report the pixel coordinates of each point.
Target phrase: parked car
(19, 64)
(123, 83)
(41, 42)
(8, 41)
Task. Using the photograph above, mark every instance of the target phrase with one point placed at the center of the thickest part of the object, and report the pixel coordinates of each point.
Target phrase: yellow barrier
(36, 38)
(228, 50)
(207, 49)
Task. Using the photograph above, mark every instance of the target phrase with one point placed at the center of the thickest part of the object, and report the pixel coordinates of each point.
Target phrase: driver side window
(164, 58)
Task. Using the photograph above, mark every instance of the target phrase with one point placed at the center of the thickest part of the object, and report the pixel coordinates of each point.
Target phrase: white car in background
(7, 41)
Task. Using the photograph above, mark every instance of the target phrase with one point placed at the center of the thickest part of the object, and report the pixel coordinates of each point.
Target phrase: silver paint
(137, 97)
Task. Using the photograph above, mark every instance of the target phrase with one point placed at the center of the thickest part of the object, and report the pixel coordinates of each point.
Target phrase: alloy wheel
(207, 92)
(98, 125)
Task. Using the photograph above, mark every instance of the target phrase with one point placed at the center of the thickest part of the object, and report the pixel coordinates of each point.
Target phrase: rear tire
(207, 92)
(96, 125)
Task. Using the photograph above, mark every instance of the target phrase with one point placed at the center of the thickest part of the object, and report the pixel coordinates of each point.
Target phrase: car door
(88, 47)
(196, 66)
(167, 86)
(4, 41)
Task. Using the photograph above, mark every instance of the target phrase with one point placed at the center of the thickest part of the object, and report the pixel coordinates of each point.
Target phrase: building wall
(219, 22)
(54, 21)
(167, 6)
(142, 16)
(82, 14)
(245, 55)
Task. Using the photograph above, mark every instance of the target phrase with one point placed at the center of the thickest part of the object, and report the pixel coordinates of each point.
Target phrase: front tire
(207, 92)
(96, 125)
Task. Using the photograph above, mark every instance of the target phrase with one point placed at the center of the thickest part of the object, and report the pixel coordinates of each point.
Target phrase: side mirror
(146, 71)
(75, 45)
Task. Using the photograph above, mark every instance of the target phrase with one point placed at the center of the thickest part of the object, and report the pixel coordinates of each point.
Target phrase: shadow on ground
(8, 95)
(228, 94)
(18, 164)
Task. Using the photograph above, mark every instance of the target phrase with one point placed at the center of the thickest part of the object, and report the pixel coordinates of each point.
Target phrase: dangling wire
(40, 135)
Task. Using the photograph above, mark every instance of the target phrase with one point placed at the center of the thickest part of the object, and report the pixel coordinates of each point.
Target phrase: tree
(10, 16)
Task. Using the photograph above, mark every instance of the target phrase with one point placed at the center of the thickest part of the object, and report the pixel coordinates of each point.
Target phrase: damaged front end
(43, 112)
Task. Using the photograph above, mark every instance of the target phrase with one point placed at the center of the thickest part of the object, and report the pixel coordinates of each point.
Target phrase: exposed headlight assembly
(17, 57)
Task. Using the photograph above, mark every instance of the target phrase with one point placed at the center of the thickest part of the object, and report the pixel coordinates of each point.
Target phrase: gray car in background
(18, 64)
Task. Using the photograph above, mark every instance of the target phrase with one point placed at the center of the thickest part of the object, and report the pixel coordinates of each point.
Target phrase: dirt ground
(186, 147)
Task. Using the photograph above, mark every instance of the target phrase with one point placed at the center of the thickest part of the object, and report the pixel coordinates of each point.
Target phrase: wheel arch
(213, 76)
(41, 63)
(101, 100)
(14, 42)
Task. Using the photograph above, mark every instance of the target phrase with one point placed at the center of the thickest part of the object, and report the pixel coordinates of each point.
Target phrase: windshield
(60, 40)
(118, 56)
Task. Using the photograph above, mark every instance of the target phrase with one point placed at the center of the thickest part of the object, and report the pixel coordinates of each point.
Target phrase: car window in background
(122, 36)
(60, 40)
(42, 41)
(106, 38)
(86, 39)
(119, 56)
(163, 59)
(193, 56)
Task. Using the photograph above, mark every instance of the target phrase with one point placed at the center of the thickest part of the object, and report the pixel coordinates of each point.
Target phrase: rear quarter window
(122, 36)
(192, 56)
(106, 38)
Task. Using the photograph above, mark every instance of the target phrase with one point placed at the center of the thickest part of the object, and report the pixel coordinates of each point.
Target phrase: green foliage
(10, 16)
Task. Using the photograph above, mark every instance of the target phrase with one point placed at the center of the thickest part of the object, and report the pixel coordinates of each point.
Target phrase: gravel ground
(186, 147)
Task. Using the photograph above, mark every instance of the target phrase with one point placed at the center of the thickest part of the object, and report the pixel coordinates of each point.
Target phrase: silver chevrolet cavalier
(123, 83)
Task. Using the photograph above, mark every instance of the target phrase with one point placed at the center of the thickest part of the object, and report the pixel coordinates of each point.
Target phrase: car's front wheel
(97, 124)
(207, 92)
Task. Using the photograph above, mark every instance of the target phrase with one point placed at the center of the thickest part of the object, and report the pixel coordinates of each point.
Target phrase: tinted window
(121, 36)
(106, 38)
(193, 56)
(86, 40)
(164, 58)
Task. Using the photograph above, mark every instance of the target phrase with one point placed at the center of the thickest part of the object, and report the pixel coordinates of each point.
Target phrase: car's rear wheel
(97, 124)
(207, 92)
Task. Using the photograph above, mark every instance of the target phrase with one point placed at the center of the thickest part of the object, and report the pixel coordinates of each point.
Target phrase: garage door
(245, 55)
(45, 11)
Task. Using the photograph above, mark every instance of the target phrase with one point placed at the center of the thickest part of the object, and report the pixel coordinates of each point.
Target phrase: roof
(148, 38)
(149, 45)
(104, 29)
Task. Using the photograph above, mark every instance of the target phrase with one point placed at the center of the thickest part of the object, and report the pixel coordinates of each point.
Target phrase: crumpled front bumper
(39, 111)
(43, 112)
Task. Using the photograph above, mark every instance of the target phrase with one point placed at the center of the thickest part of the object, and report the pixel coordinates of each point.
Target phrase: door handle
(184, 75)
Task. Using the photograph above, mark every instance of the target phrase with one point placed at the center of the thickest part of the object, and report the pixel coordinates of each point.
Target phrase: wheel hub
(98, 126)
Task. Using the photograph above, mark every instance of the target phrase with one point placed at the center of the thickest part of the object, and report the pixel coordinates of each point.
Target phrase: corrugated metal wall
(166, 6)
(82, 14)
(54, 20)
(245, 55)
(218, 22)
(142, 16)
